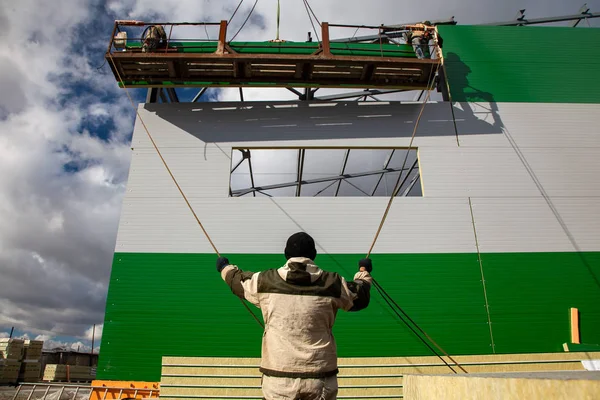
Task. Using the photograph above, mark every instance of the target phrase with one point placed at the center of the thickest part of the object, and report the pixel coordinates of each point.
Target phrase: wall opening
(324, 172)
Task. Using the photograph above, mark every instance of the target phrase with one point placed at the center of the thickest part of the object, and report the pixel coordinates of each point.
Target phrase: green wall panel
(530, 295)
(522, 64)
(177, 304)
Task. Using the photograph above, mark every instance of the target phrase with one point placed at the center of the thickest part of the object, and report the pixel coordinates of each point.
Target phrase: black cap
(300, 245)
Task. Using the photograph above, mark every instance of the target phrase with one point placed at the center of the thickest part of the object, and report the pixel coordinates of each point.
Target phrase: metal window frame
(299, 182)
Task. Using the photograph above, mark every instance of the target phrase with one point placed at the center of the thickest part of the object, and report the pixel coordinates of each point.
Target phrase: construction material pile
(31, 367)
(70, 373)
(11, 354)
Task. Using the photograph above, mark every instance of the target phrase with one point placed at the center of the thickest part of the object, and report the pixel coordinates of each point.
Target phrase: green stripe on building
(522, 64)
(177, 305)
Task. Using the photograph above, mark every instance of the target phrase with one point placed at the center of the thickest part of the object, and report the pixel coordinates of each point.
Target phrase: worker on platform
(299, 302)
(153, 37)
(421, 37)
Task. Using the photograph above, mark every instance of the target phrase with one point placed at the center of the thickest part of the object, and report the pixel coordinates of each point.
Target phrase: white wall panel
(304, 124)
(502, 178)
(528, 124)
(530, 224)
(261, 225)
(463, 172)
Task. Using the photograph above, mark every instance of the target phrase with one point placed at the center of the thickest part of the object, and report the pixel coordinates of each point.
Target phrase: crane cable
(246, 20)
(173, 176)
(397, 187)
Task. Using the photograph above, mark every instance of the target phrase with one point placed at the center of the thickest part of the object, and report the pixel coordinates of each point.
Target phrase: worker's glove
(366, 264)
(222, 262)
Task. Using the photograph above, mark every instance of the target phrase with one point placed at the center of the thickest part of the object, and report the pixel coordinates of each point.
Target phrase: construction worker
(419, 36)
(153, 37)
(299, 302)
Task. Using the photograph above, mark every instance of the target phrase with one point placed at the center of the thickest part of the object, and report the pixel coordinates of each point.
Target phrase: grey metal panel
(507, 182)
(508, 172)
(463, 172)
(534, 224)
(529, 124)
(565, 171)
(199, 172)
(261, 225)
(296, 124)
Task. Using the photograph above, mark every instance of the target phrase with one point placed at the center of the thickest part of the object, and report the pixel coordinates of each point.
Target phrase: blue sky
(65, 131)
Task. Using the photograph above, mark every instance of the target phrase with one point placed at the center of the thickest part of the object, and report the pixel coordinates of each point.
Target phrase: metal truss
(299, 182)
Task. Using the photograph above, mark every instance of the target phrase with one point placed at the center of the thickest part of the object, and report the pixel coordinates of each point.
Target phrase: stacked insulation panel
(31, 367)
(71, 373)
(11, 352)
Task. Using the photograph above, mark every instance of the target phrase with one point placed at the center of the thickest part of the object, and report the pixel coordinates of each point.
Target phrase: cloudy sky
(65, 130)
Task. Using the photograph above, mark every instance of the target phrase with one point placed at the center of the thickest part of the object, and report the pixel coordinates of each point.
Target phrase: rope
(397, 188)
(246, 20)
(386, 297)
(173, 176)
(313, 13)
(311, 21)
(382, 291)
(235, 11)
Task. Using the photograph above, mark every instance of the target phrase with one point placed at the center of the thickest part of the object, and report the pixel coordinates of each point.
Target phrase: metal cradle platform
(269, 64)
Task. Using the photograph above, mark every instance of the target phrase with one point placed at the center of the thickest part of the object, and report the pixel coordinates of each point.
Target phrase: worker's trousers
(299, 388)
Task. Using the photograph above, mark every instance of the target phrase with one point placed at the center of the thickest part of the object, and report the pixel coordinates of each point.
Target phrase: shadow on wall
(281, 121)
(463, 94)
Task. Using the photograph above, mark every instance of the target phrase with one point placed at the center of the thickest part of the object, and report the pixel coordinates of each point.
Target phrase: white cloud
(65, 128)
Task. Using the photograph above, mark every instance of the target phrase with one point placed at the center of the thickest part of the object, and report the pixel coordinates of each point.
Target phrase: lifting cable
(378, 287)
(246, 20)
(235, 11)
(173, 176)
(311, 21)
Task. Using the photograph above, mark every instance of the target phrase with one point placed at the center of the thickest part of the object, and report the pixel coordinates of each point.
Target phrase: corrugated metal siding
(530, 295)
(539, 125)
(284, 124)
(164, 284)
(177, 305)
(522, 64)
(522, 166)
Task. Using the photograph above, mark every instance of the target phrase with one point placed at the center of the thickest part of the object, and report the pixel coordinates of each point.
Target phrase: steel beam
(410, 185)
(161, 94)
(391, 31)
(524, 21)
(385, 165)
(173, 98)
(344, 163)
(583, 10)
(241, 192)
(297, 93)
(367, 92)
(300, 170)
(200, 93)
(152, 95)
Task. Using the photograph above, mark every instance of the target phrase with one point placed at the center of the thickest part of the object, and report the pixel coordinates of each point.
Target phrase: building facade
(503, 241)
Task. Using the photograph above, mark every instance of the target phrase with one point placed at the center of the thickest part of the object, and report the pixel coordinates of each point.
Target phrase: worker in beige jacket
(299, 302)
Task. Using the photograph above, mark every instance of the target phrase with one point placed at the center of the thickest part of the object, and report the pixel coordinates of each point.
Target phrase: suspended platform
(267, 64)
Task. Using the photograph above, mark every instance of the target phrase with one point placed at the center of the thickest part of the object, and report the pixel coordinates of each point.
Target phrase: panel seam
(485, 296)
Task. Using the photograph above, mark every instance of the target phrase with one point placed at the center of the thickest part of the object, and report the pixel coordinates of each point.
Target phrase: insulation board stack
(58, 372)
(11, 349)
(30, 371)
(9, 371)
(32, 350)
